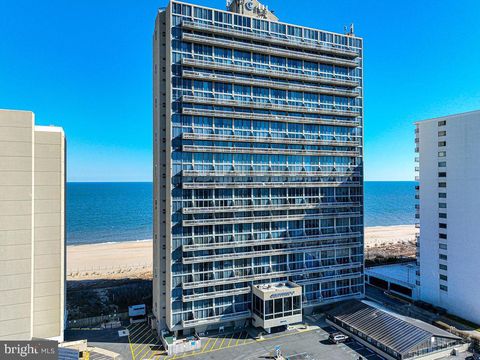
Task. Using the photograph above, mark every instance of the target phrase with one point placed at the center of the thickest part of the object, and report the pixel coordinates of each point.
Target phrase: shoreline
(133, 258)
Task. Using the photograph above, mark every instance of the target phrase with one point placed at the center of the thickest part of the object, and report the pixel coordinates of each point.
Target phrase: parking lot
(296, 344)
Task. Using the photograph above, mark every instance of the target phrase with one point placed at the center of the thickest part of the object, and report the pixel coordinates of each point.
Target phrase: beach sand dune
(133, 259)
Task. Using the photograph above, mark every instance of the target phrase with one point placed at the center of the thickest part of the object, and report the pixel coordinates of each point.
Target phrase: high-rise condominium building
(449, 246)
(258, 191)
(32, 227)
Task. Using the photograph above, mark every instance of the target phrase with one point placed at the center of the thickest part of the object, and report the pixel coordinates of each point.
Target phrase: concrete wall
(159, 171)
(32, 263)
(49, 269)
(16, 223)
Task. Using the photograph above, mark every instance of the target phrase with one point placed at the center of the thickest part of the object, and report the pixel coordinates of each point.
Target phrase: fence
(96, 320)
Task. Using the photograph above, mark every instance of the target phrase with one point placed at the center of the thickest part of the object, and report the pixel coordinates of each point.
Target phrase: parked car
(337, 338)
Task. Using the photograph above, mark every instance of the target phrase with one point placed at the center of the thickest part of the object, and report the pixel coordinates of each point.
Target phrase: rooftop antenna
(352, 29)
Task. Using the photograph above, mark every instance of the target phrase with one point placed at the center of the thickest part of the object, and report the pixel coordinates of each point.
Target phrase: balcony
(217, 319)
(254, 185)
(270, 140)
(269, 275)
(270, 117)
(268, 50)
(197, 75)
(254, 254)
(267, 151)
(323, 279)
(321, 78)
(320, 46)
(240, 173)
(217, 294)
(257, 219)
(270, 106)
(220, 209)
(286, 240)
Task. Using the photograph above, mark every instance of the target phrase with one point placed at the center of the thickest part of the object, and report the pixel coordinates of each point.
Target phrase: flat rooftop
(277, 286)
(403, 272)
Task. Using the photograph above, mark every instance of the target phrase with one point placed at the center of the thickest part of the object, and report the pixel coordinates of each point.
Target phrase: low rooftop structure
(391, 335)
(276, 304)
(398, 278)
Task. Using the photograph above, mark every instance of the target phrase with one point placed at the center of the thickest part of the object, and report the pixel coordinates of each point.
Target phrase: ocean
(113, 212)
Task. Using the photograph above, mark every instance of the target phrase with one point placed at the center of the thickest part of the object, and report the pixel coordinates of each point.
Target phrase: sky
(86, 65)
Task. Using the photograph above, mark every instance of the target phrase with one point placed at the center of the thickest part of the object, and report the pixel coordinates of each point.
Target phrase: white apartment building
(32, 228)
(449, 201)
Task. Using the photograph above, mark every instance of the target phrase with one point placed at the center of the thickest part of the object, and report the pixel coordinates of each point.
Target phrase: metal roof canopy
(399, 333)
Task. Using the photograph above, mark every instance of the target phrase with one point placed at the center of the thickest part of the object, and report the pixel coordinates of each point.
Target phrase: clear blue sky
(86, 65)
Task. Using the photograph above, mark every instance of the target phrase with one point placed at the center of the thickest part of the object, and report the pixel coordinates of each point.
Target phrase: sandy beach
(133, 259)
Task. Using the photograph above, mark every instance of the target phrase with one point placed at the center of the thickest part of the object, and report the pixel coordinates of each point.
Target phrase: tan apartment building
(32, 228)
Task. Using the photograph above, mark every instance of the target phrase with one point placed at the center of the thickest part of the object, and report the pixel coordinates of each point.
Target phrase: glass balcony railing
(268, 50)
(270, 252)
(238, 208)
(270, 117)
(270, 139)
(254, 150)
(320, 46)
(271, 275)
(319, 77)
(325, 109)
(198, 75)
(272, 241)
(257, 219)
(266, 184)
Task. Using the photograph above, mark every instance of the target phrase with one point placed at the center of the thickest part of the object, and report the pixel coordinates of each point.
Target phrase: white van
(337, 338)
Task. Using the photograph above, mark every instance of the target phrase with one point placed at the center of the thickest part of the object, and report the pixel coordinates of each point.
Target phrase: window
(443, 288)
(442, 123)
(442, 205)
(442, 195)
(442, 184)
(442, 236)
(443, 267)
(444, 277)
(442, 246)
(442, 226)
(442, 153)
(443, 257)
(442, 174)
(442, 143)
(442, 164)
(442, 133)
(442, 216)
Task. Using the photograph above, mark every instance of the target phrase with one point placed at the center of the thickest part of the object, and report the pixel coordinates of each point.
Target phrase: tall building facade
(258, 165)
(32, 228)
(449, 247)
